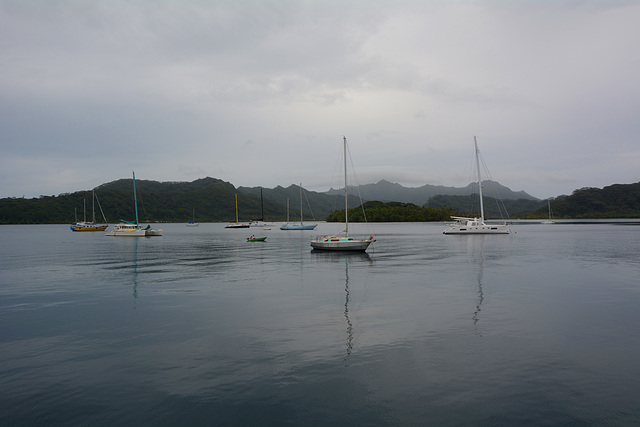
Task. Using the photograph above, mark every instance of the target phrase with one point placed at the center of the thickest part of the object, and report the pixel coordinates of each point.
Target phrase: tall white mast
(479, 180)
(135, 198)
(346, 193)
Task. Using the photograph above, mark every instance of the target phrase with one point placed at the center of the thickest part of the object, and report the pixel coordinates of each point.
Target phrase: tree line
(213, 200)
(393, 212)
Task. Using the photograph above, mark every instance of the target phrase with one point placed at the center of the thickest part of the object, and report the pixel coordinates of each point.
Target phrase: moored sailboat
(475, 225)
(260, 221)
(193, 223)
(93, 225)
(342, 241)
(297, 226)
(236, 224)
(133, 229)
(550, 220)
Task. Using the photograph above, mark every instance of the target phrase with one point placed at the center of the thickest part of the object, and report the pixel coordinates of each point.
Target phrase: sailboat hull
(298, 226)
(236, 226)
(126, 230)
(475, 226)
(88, 227)
(340, 244)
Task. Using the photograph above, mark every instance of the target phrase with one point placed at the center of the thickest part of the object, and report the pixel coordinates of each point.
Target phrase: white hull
(132, 230)
(340, 244)
(126, 232)
(481, 229)
(475, 226)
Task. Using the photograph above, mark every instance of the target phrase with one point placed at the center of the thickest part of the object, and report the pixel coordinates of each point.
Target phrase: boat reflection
(135, 269)
(346, 314)
(476, 251)
(345, 258)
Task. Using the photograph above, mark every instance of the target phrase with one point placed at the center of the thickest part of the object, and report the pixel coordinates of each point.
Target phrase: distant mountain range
(214, 200)
(385, 191)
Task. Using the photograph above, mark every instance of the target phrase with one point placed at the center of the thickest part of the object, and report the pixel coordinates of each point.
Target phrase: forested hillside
(214, 200)
(614, 201)
(393, 212)
(493, 208)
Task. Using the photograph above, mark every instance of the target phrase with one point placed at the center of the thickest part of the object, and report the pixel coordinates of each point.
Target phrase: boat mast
(93, 205)
(300, 203)
(236, 208)
(346, 193)
(261, 207)
(84, 210)
(135, 199)
(479, 180)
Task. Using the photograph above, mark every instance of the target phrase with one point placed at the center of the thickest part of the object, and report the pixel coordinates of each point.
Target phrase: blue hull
(298, 226)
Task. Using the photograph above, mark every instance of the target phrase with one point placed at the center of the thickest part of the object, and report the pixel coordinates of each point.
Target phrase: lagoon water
(200, 327)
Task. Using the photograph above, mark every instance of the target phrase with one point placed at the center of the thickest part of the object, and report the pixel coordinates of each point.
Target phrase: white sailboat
(342, 241)
(297, 226)
(466, 225)
(260, 222)
(237, 224)
(550, 220)
(193, 223)
(133, 229)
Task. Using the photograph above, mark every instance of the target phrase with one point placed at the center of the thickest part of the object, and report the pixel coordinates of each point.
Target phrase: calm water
(200, 327)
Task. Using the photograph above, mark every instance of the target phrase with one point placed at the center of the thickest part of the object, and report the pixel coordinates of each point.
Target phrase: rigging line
(334, 180)
(103, 217)
(473, 197)
(308, 204)
(355, 179)
(498, 199)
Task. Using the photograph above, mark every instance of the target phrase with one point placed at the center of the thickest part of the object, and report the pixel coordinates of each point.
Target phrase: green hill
(614, 201)
(393, 212)
(214, 201)
(493, 208)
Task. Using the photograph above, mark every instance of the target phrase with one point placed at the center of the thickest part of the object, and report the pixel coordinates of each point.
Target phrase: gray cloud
(179, 90)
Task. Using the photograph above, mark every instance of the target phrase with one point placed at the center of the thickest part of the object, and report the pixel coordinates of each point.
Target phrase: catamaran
(133, 229)
(466, 225)
(342, 241)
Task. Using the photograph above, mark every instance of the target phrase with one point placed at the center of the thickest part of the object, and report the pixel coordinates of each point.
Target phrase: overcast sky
(259, 93)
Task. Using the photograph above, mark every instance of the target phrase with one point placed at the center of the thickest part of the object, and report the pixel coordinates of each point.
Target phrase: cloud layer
(260, 93)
